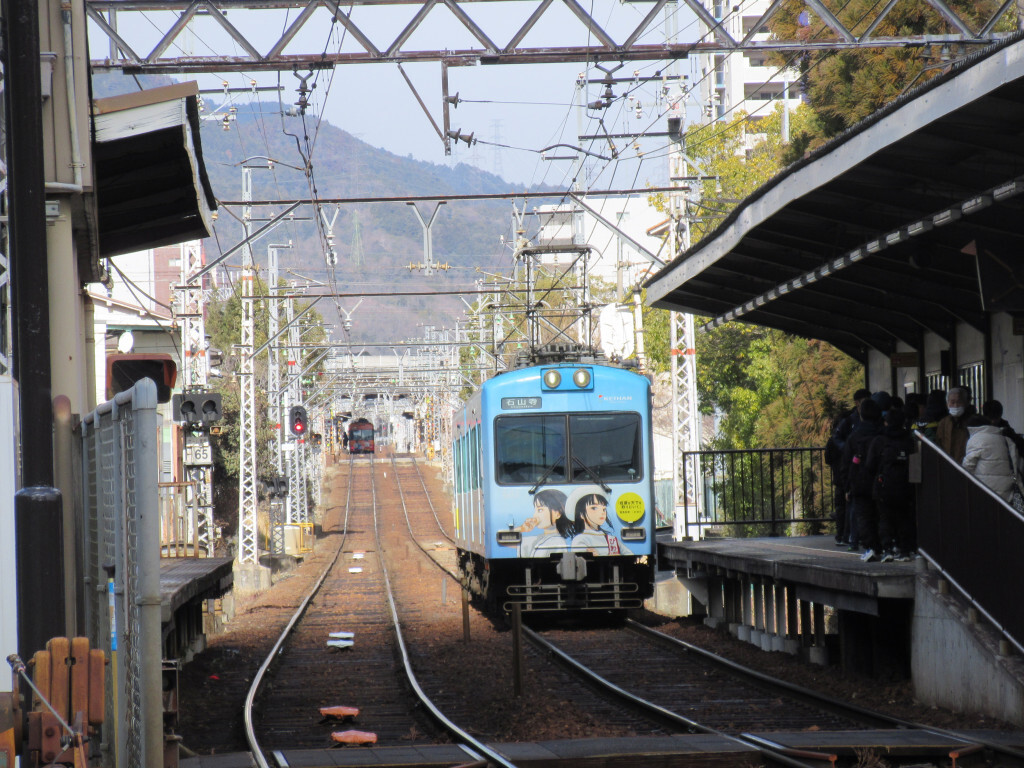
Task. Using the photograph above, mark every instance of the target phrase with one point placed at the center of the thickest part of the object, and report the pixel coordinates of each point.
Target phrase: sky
(526, 108)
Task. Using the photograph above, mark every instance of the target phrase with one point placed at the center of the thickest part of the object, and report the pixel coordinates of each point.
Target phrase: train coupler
(572, 567)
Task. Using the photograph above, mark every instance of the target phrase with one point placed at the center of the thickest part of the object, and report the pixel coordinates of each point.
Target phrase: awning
(151, 184)
(909, 222)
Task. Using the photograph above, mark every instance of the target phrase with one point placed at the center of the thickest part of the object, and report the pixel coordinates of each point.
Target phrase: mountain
(375, 242)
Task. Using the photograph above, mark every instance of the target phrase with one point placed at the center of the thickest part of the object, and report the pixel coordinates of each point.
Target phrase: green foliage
(846, 86)
(743, 154)
(774, 390)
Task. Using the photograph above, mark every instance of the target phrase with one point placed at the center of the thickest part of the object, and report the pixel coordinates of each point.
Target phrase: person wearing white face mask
(952, 433)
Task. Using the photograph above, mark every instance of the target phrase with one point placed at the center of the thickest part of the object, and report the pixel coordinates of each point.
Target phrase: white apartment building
(744, 81)
(614, 259)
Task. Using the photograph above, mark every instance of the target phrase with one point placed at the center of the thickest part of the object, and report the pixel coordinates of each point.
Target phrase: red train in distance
(360, 436)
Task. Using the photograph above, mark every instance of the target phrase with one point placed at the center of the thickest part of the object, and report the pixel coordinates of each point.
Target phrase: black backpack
(892, 483)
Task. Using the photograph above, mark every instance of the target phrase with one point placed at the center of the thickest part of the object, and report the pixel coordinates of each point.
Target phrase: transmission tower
(496, 164)
(357, 240)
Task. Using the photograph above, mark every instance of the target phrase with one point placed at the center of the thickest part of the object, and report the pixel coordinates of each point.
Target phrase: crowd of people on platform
(870, 452)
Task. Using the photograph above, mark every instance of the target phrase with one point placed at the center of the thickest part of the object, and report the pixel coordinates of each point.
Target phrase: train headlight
(552, 379)
(581, 378)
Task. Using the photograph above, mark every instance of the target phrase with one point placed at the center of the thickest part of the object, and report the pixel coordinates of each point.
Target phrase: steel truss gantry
(127, 52)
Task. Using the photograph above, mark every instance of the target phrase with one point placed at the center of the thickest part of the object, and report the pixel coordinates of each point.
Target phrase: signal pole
(296, 487)
(279, 501)
(198, 458)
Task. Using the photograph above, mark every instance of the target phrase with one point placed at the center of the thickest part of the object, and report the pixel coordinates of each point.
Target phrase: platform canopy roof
(911, 221)
(152, 188)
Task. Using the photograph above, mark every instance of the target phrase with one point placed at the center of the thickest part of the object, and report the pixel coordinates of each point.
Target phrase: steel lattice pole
(277, 505)
(247, 502)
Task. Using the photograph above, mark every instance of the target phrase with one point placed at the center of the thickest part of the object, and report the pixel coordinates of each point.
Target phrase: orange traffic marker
(354, 737)
(339, 711)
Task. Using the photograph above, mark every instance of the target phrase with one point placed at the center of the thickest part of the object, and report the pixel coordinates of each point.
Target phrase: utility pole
(248, 553)
(198, 459)
(39, 524)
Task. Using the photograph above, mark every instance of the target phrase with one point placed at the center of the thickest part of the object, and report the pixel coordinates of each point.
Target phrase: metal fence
(121, 565)
(973, 538)
(764, 492)
(179, 525)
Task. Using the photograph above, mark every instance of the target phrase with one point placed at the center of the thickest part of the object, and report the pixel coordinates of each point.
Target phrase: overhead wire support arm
(423, 106)
(274, 222)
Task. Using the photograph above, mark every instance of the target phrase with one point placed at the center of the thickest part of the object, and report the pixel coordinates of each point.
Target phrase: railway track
(309, 674)
(470, 681)
(308, 671)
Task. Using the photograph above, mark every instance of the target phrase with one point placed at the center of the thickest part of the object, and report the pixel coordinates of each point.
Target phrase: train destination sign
(520, 403)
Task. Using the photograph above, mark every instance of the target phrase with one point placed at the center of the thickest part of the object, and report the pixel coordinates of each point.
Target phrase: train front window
(530, 446)
(609, 444)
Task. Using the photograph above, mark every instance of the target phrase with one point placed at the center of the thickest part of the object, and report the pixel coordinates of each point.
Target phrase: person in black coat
(889, 465)
(842, 428)
(860, 507)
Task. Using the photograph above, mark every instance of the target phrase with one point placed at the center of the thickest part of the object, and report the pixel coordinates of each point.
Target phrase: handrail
(973, 538)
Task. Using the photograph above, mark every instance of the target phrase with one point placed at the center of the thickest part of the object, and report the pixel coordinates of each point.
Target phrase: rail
(759, 492)
(973, 538)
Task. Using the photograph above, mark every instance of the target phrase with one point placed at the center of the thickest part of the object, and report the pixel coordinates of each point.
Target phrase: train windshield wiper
(547, 473)
(593, 475)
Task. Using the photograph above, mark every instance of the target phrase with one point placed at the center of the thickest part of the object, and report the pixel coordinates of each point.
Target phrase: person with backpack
(842, 428)
(888, 463)
(861, 513)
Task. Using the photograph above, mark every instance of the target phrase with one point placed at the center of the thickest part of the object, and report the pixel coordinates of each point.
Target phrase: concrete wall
(1008, 369)
(879, 372)
(955, 663)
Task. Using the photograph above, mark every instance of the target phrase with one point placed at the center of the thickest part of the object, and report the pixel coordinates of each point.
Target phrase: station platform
(690, 749)
(802, 595)
(191, 593)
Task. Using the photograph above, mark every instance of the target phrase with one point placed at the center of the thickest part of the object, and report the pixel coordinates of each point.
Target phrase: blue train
(554, 488)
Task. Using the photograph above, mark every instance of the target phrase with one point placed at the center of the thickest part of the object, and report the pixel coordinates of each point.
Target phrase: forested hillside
(375, 243)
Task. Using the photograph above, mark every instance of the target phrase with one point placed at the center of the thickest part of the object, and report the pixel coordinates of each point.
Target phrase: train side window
(459, 469)
(474, 449)
(609, 444)
(529, 447)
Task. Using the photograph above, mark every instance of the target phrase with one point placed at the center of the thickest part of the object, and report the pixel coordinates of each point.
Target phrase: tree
(770, 389)
(845, 86)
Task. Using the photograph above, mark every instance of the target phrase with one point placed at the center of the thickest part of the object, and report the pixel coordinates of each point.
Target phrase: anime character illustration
(593, 532)
(551, 529)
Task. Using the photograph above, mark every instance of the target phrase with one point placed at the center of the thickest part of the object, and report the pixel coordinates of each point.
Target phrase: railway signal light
(298, 421)
(277, 487)
(197, 408)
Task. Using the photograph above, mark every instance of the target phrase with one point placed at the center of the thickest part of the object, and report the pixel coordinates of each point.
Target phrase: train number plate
(198, 453)
(520, 403)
